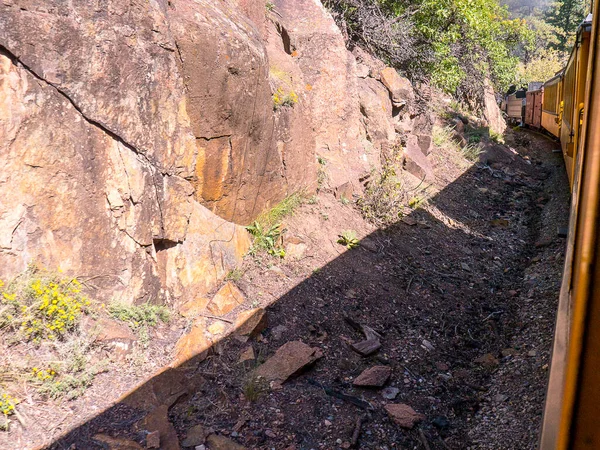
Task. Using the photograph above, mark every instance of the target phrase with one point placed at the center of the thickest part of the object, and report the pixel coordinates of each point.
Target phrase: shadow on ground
(444, 288)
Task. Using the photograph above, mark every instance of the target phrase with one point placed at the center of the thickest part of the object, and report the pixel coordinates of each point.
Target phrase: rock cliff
(136, 137)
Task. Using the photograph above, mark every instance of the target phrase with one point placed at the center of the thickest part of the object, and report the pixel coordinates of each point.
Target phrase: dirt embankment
(460, 293)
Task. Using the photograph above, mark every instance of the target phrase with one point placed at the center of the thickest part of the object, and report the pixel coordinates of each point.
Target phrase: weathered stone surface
(192, 344)
(117, 443)
(216, 328)
(415, 162)
(376, 110)
(192, 308)
(364, 58)
(247, 355)
(491, 110)
(329, 72)
(226, 299)
(251, 322)
(158, 421)
(195, 436)
(110, 334)
(404, 415)
(288, 360)
(400, 88)
(375, 376)
(218, 442)
(229, 81)
(295, 248)
(84, 201)
(488, 361)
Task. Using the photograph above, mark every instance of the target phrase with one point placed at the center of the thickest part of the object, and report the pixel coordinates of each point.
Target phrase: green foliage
(565, 16)
(69, 377)
(266, 238)
(471, 152)
(270, 6)
(384, 198)
(348, 239)
(267, 230)
(39, 305)
(284, 208)
(139, 316)
(235, 274)
(541, 67)
(416, 201)
(282, 98)
(7, 404)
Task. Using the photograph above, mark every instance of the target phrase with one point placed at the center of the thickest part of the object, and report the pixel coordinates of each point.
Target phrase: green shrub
(139, 316)
(40, 305)
(348, 239)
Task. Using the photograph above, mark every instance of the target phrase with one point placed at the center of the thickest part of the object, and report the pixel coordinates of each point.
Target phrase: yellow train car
(574, 82)
(572, 409)
(551, 106)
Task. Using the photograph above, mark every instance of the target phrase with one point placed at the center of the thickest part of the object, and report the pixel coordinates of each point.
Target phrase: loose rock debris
(457, 343)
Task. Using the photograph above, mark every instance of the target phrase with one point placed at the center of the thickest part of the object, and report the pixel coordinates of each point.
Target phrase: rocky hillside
(136, 136)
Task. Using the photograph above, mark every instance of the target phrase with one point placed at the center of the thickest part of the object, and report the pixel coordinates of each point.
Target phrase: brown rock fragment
(194, 343)
(218, 442)
(404, 415)
(288, 360)
(251, 322)
(117, 443)
(375, 376)
(157, 421)
(488, 360)
(195, 436)
(226, 299)
(247, 355)
(194, 307)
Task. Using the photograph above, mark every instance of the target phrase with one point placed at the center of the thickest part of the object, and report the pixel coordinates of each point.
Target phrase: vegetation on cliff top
(457, 44)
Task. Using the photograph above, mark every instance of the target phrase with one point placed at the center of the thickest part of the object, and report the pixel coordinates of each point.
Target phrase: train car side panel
(551, 105)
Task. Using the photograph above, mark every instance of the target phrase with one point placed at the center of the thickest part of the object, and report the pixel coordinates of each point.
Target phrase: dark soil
(467, 280)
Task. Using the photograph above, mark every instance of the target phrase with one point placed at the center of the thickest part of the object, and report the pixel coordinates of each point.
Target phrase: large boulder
(491, 111)
(309, 35)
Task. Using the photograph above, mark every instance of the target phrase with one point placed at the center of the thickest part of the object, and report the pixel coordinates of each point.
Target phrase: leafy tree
(565, 16)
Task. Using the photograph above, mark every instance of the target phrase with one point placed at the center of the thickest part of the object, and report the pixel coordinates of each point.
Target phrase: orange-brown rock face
(97, 149)
(135, 135)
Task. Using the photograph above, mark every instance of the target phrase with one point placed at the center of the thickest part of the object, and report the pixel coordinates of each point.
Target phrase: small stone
(441, 366)
(428, 345)
(288, 360)
(195, 436)
(117, 443)
(295, 248)
(499, 398)
(441, 422)
(200, 447)
(465, 267)
(532, 353)
(488, 360)
(192, 344)
(338, 441)
(153, 439)
(247, 355)
(508, 352)
(270, 433)
(375, 376)
(251, 322)
(218, 442)
(404, 415)
(390, 393)
(226, 299)
(278, 332)
(216, 328)
(327, 423)
(362, 70)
